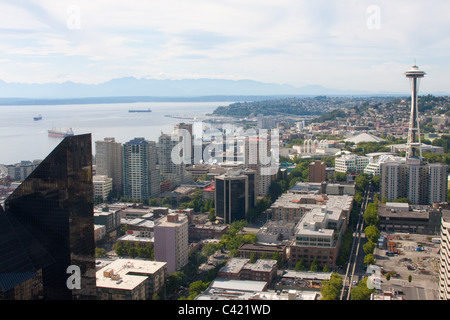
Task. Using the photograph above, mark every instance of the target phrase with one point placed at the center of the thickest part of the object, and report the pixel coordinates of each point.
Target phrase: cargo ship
(39, 117)
(60, 134)
(134, 110)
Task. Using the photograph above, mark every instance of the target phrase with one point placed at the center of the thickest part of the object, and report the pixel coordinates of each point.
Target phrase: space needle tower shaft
(414, 143)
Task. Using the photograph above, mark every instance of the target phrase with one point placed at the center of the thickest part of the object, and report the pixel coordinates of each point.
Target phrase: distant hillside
(133, 87)
(298, 106)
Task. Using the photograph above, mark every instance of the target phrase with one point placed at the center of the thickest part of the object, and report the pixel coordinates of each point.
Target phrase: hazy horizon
(345, 45)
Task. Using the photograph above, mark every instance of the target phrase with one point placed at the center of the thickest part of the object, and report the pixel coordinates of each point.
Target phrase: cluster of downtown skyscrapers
(47, 223)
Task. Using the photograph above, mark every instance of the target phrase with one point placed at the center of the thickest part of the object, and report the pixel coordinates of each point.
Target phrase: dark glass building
(55, 207)
(234, 194)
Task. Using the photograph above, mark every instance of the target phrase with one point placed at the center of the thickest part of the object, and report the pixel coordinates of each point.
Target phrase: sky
(340, 44)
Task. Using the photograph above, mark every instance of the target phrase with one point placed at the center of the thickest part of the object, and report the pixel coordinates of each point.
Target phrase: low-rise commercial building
(318, 237)
(351, 163)
(130, 279)
(242, 269)
(403, 217)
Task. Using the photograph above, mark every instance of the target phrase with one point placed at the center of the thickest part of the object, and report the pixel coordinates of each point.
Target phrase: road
(355, 265)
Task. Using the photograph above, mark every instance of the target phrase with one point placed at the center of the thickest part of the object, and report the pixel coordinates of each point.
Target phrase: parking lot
(417, 257)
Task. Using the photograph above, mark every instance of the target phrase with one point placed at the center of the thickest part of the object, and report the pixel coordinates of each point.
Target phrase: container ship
(144, 110)
(60, 134)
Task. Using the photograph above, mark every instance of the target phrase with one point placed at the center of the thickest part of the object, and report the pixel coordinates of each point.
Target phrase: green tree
(100, 252)
(119, 249)
(197, 287)
(212, 215)
(362, 181)
(331, 288)
(372, 233)
(340, 176)
(369, 259)
(369, 247)
(300, 265)
(371, 214)
(361, 291)
(314, 267)
(176, 280)
(133, 251)
(209, 248)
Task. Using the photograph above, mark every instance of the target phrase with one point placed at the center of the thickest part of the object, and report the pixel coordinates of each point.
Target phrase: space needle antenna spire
(414, 143)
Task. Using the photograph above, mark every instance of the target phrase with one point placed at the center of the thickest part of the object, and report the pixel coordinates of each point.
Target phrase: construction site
(412, 263)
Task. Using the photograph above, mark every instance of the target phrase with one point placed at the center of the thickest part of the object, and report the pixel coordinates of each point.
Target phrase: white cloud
(289, 41)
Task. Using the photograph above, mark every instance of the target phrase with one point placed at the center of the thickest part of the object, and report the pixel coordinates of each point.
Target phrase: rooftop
(126, 274)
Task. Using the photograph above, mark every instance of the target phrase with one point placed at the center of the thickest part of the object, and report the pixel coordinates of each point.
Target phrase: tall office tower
(444, 263)
(257, 157)
(140, 175)
(232, 196)
(186, 131)
(413, 143)
(109, 161)
(317, 171)
(171, 166)
(171, 241)
(54, 205)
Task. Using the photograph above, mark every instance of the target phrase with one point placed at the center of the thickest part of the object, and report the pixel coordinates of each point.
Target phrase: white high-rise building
(420, 183)
(171, 166)
(140, 175)
(437, 183)
(109, 161)
(257, 157)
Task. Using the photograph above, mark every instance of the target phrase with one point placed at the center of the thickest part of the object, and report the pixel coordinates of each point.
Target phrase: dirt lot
(422, 265)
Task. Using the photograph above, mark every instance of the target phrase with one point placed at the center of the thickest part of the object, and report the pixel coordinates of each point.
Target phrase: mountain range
(127, 87)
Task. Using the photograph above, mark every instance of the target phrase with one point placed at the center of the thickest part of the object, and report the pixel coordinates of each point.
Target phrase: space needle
(413, 143)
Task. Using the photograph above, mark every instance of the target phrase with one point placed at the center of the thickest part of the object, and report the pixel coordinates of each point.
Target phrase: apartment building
(420, 183)
(140, 175)
(444, 266)
(171, 241)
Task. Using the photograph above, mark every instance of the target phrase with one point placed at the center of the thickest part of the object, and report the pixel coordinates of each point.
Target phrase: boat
(60, 134)
(39, 117)
(137, 110)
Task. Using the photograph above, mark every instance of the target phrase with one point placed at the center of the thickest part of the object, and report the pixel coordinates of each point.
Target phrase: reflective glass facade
(55, 205)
